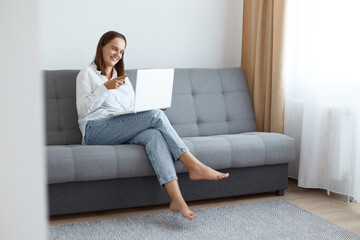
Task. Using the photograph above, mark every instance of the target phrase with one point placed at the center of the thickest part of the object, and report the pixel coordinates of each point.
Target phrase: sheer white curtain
(322, 108)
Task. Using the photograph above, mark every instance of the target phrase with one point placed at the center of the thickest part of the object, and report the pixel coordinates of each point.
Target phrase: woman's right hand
(116, 82)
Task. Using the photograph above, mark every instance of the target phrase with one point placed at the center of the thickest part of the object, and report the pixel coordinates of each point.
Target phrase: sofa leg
(279, 192)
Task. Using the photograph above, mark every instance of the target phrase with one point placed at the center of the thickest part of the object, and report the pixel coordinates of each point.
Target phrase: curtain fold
(262, 60)
(322, 108)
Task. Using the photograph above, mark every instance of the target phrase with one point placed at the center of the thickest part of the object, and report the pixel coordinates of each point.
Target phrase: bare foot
(198, 170)
(182, 207)
(201, 171)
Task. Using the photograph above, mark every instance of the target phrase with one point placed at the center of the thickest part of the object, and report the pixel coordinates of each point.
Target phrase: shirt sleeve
(88, 99)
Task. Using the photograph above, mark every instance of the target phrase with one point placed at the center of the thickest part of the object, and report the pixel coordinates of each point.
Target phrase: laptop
(153, 90)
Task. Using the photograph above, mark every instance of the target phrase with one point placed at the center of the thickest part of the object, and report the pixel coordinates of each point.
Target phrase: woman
(103, 89)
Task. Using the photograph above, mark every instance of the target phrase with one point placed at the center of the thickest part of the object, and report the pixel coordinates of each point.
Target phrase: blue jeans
(151, 129)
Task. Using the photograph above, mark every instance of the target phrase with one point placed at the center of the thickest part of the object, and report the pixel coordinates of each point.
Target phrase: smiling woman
(110, 52)
(103, 89)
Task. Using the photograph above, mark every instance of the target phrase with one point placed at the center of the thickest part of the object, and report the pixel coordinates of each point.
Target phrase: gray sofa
(212, 112)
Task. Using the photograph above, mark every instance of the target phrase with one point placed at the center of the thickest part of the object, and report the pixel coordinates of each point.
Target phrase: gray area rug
(265, 220)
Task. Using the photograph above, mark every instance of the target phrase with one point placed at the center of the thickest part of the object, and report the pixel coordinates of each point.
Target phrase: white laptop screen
(153, 89)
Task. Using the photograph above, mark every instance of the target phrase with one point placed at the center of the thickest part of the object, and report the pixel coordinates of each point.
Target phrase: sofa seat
(75, 163)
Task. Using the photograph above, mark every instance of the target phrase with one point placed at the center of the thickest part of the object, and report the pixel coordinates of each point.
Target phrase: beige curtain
(262, 48)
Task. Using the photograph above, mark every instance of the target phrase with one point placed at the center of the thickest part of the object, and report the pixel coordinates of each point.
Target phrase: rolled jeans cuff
(180, 152)
(166, 180)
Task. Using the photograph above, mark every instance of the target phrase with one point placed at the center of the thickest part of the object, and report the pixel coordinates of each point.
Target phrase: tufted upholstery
(73, 163)
(60, 103)
(211, 110)
(205, 102)
(210, 102)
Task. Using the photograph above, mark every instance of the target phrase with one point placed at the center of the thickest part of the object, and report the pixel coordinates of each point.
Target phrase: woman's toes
(222, 175)
(191, 216)
(181, 206)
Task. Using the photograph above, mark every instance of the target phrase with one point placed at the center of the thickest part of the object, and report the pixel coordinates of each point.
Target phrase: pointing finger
(123, 76)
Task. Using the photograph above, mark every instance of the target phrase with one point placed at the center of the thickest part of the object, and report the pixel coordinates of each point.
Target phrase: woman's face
(113, 51)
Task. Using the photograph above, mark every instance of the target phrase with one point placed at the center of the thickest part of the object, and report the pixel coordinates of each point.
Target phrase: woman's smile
(115, 58)
(113, 51)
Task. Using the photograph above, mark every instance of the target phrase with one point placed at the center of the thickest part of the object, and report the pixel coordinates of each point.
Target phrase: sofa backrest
(205, 102)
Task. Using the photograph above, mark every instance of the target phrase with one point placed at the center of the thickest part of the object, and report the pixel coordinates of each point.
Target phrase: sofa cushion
(60, 107)
(210, 102)
(242, 150)
(89, 163)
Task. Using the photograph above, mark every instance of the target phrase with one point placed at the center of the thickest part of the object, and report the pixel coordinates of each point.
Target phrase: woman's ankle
(189, 161)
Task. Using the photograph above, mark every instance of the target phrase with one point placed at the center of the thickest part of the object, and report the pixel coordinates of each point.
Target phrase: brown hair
(99, 61)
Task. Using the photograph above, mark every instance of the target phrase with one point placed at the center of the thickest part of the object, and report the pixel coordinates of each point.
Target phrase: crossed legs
(153, 130)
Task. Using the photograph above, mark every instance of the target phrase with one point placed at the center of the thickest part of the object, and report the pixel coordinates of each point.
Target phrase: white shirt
(95, 101)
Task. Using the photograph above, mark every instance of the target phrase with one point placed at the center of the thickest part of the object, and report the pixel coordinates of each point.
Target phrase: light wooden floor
(332, 208)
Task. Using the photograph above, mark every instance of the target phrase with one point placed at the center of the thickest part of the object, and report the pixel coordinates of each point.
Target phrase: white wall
(22, 168)
(160, 33)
